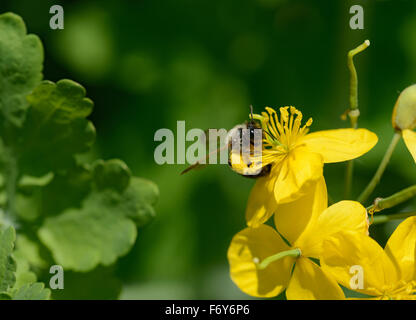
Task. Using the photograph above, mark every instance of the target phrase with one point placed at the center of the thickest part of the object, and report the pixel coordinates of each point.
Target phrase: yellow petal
(340, 144)
(342, 216)
(261, 203)
(292, 218)
(259, 243)
(409, 137)
(401, 248)
(309, 282)
(298, 172)
(345, 251)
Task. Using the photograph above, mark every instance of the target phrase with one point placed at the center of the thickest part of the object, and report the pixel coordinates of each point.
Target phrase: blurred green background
(147, 64)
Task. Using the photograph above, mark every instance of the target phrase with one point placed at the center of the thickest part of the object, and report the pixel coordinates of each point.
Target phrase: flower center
(281, 134)
(402, 292)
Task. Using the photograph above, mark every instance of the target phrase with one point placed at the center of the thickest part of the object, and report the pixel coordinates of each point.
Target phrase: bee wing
(196, 165)
(201, 164)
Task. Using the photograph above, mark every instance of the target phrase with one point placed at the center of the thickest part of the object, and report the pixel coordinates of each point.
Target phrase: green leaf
(5, 296)
(67, 189)
(79, 214)
(29, 250)
(132, 196)
(62, 102)
(113, 174)
(137, 201)
(80, 239)
(56, 127)
(23, 274)
(21, 59)
(104, 228)
(7, 263)
(26, 254)
(33, 291)
(16, 280)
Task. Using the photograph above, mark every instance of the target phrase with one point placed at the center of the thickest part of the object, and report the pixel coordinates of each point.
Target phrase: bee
(250, 167)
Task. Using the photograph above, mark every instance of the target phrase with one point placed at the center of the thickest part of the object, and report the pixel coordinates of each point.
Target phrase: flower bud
(404, 112)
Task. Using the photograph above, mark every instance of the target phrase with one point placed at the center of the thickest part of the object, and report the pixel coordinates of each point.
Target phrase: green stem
(354, 82)
(386, 218)
(348, 178)
(289, 253)
(353, 112)
(393, 200)
(383, 164)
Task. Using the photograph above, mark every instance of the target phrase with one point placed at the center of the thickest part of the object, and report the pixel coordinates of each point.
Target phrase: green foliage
(21, 58)
(76, 214)
(32, 291)
(56, 127)
(103, 228)
(16, 281)
(7, 264)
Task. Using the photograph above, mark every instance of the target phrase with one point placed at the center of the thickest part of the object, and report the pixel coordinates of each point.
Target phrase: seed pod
(404, 112)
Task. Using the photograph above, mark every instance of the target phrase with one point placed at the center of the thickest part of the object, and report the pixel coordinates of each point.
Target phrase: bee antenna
(251, 112)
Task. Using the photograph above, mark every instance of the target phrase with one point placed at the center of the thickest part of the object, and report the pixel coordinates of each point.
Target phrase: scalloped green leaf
(82, 239)
(21, 63)
(133, 197)
(32, 291)
(56, 127)
(111, 174)
(23, 274)
(138, 201)
(60, 102)
(67, 189)
(27, 249)
(7, 263)
(105, 227)
(17, 282)
(88, 214)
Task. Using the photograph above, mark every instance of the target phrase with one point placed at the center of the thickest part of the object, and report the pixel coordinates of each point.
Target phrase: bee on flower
(296, 158)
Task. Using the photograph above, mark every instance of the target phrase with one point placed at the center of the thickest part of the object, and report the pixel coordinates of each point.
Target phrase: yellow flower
(409, 138)
(297, 158)
(386, 274)
(305, 224)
